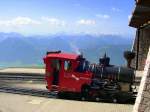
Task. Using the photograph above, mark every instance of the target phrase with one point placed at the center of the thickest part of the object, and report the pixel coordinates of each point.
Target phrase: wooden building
(141, 21)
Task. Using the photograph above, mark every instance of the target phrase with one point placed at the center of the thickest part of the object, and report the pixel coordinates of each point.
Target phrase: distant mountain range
(18, 50)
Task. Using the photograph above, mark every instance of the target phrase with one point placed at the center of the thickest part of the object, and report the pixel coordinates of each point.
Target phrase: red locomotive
(71, 73)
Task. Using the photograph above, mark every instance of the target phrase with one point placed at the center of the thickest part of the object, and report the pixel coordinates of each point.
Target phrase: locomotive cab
(66, 72)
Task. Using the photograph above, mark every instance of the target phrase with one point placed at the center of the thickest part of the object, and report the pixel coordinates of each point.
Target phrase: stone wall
(134, 49)
(144, 43)
(142, 103)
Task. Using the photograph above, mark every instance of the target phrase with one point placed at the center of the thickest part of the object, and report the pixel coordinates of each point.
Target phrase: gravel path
(23, 103)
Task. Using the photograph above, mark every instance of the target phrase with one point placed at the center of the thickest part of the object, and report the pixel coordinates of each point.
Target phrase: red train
(71, 73)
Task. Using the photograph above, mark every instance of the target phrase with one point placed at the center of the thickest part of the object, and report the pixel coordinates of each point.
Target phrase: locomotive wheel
(60, 95)
(82, 98)
(114, 100)
(85, 92)
(97, 99)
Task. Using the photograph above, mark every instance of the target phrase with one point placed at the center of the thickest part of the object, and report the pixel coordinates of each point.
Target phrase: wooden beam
(141, 8)
(138, 1)
(144, 2)
(146, 14)
(141, 15)
(136, 23)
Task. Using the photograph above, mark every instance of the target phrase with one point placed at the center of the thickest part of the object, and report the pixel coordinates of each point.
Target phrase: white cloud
(103, 16)
(116, 9)
(129, 17)
(54, 21)
(86, 22)
(19, 21)
(27, 21)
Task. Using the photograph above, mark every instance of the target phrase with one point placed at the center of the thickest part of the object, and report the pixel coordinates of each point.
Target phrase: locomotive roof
(63, 55)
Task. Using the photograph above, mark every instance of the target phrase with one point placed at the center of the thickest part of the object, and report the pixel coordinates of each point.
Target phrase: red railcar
(63, 72)
(71, 73)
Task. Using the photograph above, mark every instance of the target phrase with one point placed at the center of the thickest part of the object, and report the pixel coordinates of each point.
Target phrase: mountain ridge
(18, 50)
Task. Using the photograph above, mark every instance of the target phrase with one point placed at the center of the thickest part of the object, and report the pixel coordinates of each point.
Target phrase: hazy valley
(17, 50)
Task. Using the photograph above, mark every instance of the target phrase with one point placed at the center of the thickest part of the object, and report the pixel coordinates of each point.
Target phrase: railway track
(22, 77)
(47, 94)
(27, 91)
(34, 92)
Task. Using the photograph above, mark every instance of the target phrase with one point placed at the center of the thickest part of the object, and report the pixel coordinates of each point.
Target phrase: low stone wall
(142, 103)
(22, 70)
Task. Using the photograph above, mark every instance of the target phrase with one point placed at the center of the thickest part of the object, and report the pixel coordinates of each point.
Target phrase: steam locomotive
(72, 73)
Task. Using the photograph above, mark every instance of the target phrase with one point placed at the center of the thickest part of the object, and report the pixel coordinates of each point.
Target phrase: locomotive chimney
(104, 60)
(128, 55)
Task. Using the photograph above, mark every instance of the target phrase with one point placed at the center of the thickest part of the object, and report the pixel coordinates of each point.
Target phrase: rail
(22, 77)
(27, 91)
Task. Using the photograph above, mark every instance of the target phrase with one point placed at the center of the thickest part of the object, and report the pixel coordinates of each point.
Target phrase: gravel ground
(23, 103)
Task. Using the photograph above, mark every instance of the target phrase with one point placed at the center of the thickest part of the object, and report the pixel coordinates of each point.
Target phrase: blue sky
(42, 17)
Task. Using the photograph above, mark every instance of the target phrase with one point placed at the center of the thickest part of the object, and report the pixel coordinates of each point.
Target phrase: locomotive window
(67, 65)
(56, 64)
